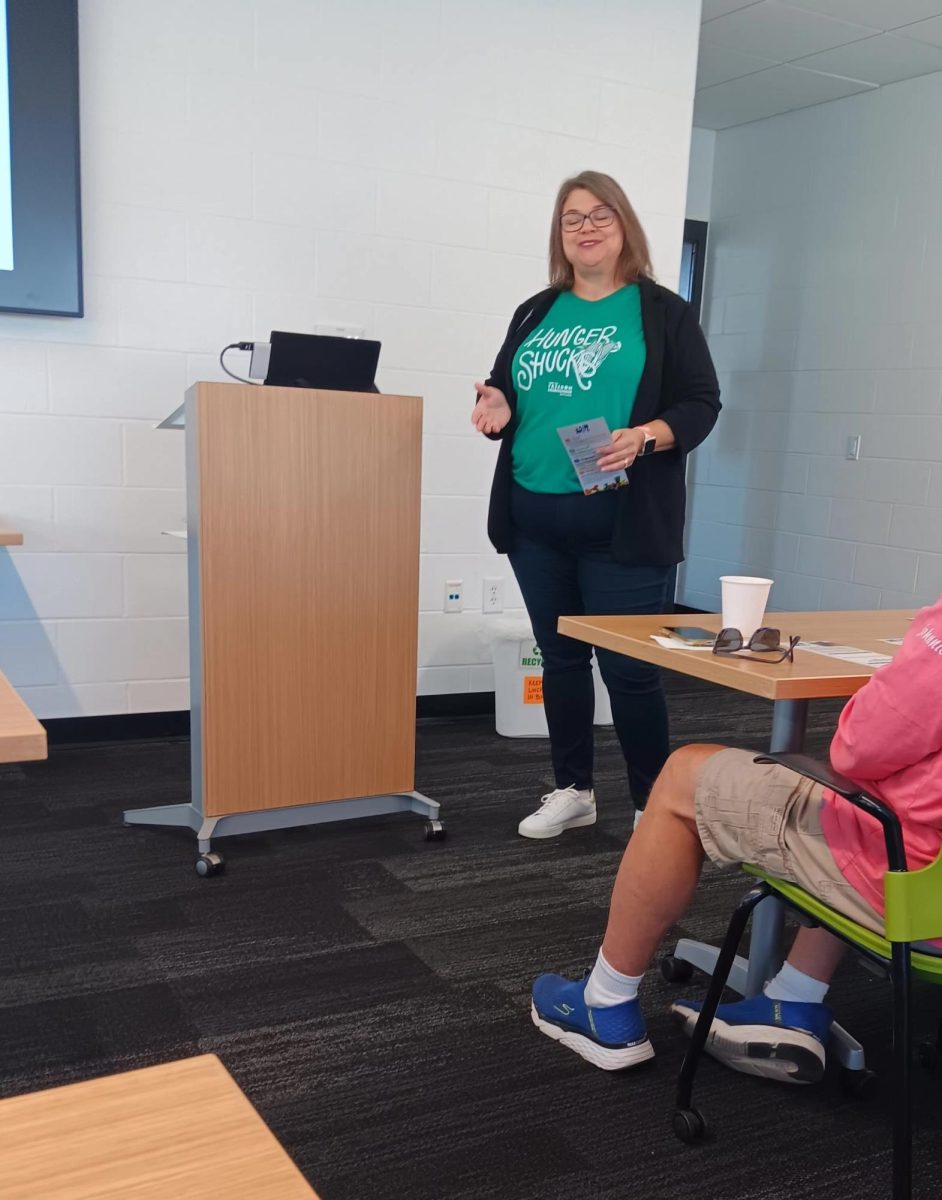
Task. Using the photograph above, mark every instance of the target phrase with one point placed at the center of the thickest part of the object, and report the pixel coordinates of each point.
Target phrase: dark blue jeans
(563, 564)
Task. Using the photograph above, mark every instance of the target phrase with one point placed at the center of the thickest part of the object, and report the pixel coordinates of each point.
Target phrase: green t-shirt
(584, 361)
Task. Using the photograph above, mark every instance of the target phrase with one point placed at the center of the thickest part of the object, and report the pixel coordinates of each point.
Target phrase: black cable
(231, 374)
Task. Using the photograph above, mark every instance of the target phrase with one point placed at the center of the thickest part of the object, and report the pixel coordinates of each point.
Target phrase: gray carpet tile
(370, 992)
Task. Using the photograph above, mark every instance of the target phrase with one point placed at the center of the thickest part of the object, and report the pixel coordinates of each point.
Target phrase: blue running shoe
(611, 1038)
(777, 1039)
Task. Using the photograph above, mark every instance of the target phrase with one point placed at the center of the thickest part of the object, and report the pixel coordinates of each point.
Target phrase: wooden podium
(303, 559)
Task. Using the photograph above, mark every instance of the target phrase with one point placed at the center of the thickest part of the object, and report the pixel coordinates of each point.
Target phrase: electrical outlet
(493, 601)
(853, 446)
(454, 595)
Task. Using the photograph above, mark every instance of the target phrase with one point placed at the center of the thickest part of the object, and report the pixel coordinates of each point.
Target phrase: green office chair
(913, 903)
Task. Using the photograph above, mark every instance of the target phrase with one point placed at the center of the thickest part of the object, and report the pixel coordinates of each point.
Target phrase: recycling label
(530, 657)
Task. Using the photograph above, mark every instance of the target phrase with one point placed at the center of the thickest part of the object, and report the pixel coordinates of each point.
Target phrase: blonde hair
(635, 260)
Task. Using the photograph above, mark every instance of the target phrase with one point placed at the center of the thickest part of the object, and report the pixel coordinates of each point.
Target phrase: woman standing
(604, 340)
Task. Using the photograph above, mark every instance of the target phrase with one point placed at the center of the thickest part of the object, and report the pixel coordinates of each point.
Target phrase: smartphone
(693, 635)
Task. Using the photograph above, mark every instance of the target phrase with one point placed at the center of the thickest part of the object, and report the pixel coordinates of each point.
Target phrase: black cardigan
(678, 385)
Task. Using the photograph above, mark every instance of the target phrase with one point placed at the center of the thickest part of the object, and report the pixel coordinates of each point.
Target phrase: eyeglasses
(601, 217)
(763, 641)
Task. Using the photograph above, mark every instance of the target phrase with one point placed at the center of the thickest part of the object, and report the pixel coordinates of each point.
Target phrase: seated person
(710, 800)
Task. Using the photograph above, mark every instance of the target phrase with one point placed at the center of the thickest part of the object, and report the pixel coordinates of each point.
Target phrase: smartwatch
(649, 445)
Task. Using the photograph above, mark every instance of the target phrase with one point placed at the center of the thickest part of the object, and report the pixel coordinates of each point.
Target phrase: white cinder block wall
(823, 309)
(260, 164)
(700, 175)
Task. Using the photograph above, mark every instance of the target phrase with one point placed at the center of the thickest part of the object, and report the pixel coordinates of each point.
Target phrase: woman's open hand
(492, 412)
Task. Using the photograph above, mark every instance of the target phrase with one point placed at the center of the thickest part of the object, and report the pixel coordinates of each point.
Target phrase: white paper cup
(744, 601)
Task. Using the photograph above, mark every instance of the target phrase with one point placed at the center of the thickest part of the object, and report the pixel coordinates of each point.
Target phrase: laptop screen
(317, 361)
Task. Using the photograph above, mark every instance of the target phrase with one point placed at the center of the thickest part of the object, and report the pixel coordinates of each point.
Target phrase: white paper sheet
(864, 658)
(676, 644)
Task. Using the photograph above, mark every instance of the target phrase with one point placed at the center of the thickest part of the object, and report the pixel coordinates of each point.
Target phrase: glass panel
(687, 262)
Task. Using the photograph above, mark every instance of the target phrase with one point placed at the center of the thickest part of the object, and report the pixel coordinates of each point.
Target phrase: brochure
(582, 443)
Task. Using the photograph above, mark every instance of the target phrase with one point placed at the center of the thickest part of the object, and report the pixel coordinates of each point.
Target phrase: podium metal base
(206, 828)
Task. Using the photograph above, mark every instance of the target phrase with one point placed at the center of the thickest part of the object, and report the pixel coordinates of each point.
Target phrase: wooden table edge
(739, 677)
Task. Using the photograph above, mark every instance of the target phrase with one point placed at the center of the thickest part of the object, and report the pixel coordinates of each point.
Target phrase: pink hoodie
(889, 740)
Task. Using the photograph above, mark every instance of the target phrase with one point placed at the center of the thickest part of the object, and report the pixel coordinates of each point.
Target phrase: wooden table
(809, 677)
(790, 687)
(181, 1129)
(22, 738)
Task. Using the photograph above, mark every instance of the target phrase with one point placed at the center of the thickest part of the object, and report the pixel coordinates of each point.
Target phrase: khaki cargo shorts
(766, 815)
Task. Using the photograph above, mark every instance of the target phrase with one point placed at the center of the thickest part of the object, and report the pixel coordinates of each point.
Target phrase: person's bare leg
(661, 866)
(816, 952)
(754, 1037)
(600, 1018)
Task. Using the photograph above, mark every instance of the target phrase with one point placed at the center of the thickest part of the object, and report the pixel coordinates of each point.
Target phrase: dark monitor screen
(318, 361)
(40, 212)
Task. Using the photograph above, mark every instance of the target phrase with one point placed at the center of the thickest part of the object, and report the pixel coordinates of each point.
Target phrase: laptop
(313, 360)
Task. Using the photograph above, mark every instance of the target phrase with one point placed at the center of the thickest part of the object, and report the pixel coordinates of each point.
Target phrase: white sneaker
(566, 808)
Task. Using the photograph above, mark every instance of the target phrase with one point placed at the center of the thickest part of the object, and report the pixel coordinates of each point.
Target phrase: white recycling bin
(518, 689)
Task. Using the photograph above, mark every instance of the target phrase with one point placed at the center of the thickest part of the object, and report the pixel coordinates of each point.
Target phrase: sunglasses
(763, 641)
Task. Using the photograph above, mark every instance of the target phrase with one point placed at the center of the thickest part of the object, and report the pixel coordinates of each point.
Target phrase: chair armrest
(820, 772)
(824, 774)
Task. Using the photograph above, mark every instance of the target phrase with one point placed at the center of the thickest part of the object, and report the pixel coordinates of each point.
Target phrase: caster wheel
(859, 1085)
(689, 1125)
(675, 970)
(210, 864)
(434, 831)
(929, 1057)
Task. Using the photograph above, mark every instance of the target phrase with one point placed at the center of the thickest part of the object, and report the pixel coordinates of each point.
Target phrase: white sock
(792, 984)
(607, 987)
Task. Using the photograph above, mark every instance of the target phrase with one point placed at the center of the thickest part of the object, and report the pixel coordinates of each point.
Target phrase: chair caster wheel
(859, 1085)
(689, 1124)
(210, 864)
(676, 970)
(434, 831)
